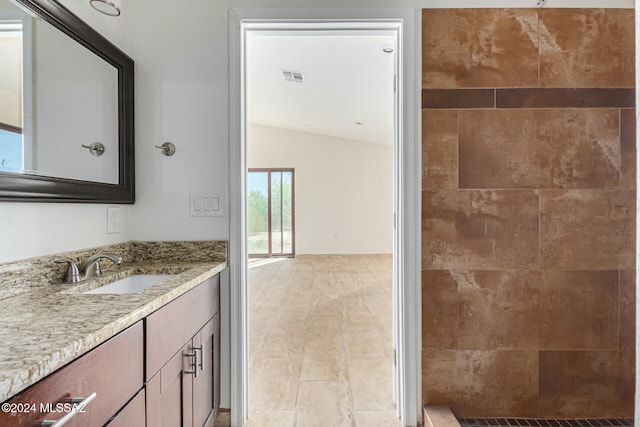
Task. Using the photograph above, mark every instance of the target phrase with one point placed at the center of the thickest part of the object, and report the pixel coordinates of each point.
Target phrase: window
(270, 212)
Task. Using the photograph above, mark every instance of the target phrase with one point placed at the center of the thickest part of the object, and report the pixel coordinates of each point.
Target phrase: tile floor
(321, 341)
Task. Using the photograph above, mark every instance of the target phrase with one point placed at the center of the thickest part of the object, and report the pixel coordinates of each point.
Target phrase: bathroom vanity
(146, 358)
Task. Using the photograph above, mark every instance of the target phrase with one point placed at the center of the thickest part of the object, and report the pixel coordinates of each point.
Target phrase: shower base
(545, 422)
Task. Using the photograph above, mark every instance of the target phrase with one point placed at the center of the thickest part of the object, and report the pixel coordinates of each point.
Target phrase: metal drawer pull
(78, 405)
(193, 355)
(201, 350)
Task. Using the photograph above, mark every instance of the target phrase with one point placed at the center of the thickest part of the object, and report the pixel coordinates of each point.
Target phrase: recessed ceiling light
(293, 76)
(107, 7)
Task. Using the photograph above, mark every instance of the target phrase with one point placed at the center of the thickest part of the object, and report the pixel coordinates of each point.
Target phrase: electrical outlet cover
(113, 219)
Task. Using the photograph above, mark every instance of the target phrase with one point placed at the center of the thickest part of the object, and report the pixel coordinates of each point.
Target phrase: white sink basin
(131, 284)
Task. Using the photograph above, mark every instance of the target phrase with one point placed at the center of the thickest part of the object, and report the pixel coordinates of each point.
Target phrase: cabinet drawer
(131, 415)
(169, 328)
(113, 370)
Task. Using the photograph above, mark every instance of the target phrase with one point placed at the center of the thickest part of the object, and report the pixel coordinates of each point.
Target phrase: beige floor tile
(284, 341)
(271, 419)
(323, 404)
(377, 419)
(371, 384)
(320, 323)
(321, 341)
(274, 383)
(367, 344)
(324, 363)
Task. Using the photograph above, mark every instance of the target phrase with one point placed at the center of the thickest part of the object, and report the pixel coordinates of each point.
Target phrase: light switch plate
(113, 219)
(205, 204)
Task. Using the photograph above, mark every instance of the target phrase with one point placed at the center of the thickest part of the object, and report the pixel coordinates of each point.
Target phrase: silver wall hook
(541, 3)
(95, 148)
(168, 149)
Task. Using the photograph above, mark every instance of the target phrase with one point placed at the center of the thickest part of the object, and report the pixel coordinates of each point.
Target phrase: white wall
(343, 188)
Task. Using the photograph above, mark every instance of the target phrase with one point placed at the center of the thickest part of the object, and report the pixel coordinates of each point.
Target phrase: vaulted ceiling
(347, 87)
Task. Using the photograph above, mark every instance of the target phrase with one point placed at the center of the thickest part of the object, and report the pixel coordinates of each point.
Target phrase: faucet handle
(73, 274)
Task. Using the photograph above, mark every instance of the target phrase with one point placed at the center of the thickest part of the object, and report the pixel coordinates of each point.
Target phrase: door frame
(407, 197)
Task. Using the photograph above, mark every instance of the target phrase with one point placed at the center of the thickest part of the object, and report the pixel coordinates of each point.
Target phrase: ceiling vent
(293, 76)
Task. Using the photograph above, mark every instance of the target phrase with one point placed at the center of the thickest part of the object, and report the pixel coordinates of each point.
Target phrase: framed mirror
(66, 108)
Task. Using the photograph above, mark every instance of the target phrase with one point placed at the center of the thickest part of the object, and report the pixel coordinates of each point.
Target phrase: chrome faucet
(91, 268)
(88, 268)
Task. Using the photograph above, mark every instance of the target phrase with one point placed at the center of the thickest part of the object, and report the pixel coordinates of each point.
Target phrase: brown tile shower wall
(528, 212)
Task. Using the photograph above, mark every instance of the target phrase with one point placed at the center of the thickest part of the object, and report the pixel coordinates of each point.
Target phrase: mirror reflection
(58, 103)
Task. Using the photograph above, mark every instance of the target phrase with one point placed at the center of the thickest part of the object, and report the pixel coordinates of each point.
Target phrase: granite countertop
(46, 327)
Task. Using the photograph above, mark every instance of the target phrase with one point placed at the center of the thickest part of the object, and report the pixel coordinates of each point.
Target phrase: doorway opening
(406, 187)
(321, 324)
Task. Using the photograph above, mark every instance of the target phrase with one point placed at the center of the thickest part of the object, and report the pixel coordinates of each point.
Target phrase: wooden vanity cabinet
(180, 366)
(113, 370)
(182, 359)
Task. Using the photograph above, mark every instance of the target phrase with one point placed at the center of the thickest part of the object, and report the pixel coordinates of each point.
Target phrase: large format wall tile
(587, 48)
(526, 309)
(628, 148)
(479, 48)
(579, 310)
(439, 149)
(544, 148)
(479, 229)
(482, 383)
(627, 313)
(528, 212)
(498, 309)
(586, 384)
(587, 229)
(439, 309)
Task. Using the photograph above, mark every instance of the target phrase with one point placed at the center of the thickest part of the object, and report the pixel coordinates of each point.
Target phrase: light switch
(205, 204)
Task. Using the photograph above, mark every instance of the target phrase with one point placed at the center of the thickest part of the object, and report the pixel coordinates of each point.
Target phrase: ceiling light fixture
(107, 7)
(293, 76)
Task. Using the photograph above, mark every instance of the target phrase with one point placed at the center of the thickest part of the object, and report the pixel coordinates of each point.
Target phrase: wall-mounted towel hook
(168, 149)
(541, 3)
(95, 148)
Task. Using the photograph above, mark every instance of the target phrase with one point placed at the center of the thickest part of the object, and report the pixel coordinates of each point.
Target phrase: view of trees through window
(270, 212)
(10, 151)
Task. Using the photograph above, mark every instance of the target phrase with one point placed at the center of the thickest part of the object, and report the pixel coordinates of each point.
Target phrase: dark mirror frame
(33, 188)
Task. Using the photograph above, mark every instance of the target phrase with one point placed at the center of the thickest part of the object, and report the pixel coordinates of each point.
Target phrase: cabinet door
(132, 414)
(170, 392)
(171, 326)
(206, 398)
